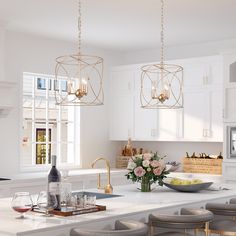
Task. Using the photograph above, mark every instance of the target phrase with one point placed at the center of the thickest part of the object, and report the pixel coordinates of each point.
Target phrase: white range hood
(2, 52)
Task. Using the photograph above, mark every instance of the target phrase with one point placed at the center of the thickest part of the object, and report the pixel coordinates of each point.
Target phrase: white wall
(28, 53)
(2, 52)
(180, 52)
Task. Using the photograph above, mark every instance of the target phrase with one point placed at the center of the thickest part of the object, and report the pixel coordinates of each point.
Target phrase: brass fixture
(78, 77)
(161, 83)
(108, 188)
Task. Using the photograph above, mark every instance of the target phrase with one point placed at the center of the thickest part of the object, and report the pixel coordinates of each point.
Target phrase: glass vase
(145, 185)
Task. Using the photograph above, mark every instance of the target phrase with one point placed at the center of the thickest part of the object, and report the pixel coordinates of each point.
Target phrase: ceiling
(123, 25)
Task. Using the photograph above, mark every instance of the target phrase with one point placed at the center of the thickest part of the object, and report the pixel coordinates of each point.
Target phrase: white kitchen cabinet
(230, 103)
(145, 122)
(170, 125)
(121, 126)
(229, 87)
(228, 170)
(121, 104)
(216, 114)
(203, 115)
(203, 71)
(203, 99)
(229, 164)
(195, 115)
(155, 124)
(200, 120)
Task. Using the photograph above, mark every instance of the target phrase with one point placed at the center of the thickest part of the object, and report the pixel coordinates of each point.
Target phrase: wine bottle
(54, 183)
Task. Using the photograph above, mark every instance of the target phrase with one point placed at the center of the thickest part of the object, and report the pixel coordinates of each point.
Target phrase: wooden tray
(73, 212)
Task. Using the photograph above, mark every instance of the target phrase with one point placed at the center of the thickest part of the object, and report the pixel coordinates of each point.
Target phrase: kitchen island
(133, 204)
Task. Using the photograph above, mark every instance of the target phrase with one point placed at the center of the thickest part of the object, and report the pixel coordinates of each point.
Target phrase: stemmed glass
(22, 202)
(46, 202)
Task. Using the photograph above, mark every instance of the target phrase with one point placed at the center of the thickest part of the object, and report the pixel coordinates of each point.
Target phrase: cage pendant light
(78, 77)
(161, 84)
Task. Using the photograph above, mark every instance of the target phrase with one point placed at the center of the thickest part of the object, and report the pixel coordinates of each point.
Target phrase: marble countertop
(130, 203)
(78, 172)
(24, 177)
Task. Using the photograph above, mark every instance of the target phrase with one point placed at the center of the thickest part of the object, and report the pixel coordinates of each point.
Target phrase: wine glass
(22, 202)
(46, 202)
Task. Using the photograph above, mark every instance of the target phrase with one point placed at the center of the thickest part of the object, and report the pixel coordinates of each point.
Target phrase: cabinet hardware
(153, 132)
(129, 86)
(204, 132)
(129, 133)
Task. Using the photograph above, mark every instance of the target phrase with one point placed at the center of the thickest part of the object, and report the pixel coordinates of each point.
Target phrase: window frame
(44, 167)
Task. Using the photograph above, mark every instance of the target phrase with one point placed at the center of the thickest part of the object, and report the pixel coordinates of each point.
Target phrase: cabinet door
(121, 124)
(216, 116)
(230, 87)
(145, 127)
(121, 82)
(170, 124)
(194, 74)
(203, 71)
(196, 115)
(145, 120)
(230, 107)
(121, 104)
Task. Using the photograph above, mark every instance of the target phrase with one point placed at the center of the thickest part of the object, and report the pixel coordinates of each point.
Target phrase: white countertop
(132, 202)
(75, 172)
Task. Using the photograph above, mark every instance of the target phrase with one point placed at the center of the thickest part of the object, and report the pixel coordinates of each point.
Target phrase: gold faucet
(108, 188)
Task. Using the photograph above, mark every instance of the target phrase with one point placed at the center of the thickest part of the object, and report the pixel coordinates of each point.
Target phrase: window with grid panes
(47, 129)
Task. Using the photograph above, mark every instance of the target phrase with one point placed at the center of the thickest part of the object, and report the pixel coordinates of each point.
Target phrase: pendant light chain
(79, 26)
(162, 32)
(164, 80)
(81, 73)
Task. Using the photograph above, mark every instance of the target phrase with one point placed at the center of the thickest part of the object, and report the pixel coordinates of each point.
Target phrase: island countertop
(133, 204)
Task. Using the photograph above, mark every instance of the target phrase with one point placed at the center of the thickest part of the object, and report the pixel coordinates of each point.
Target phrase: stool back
(188, 219)
(222, 209)
(122, 228)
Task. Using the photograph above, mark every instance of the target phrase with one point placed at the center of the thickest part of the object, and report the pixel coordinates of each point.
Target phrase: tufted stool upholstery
(223, 226)
(188, 219)
(122, 228)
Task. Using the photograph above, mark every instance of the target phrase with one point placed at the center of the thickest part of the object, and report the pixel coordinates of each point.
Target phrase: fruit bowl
(187, 185)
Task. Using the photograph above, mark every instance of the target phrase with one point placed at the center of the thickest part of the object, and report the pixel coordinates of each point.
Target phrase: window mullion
(62, 139)
(47, 119)
(33, 123)
(59, 123)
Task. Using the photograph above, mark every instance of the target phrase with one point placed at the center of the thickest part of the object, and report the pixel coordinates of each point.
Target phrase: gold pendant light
(162, 84)
(78, 77)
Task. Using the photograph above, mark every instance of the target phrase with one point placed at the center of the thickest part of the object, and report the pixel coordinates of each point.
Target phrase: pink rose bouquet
(149, 167)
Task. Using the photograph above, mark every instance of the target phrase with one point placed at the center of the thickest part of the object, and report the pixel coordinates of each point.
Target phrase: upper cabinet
(199, 120)
(230, 87)
(121, 95)
(203, 99)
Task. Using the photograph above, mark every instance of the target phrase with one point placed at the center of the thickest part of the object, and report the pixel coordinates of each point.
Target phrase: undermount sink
(98, 195)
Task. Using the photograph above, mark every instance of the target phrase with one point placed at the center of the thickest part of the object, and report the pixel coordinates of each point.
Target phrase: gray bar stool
(188, 219)
(223, 226)
(122, 228)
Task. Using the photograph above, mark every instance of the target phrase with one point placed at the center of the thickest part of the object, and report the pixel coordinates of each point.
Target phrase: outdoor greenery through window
(47, 129)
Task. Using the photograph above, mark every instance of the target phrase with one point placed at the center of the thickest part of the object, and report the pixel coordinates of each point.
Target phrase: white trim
(45, 167)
